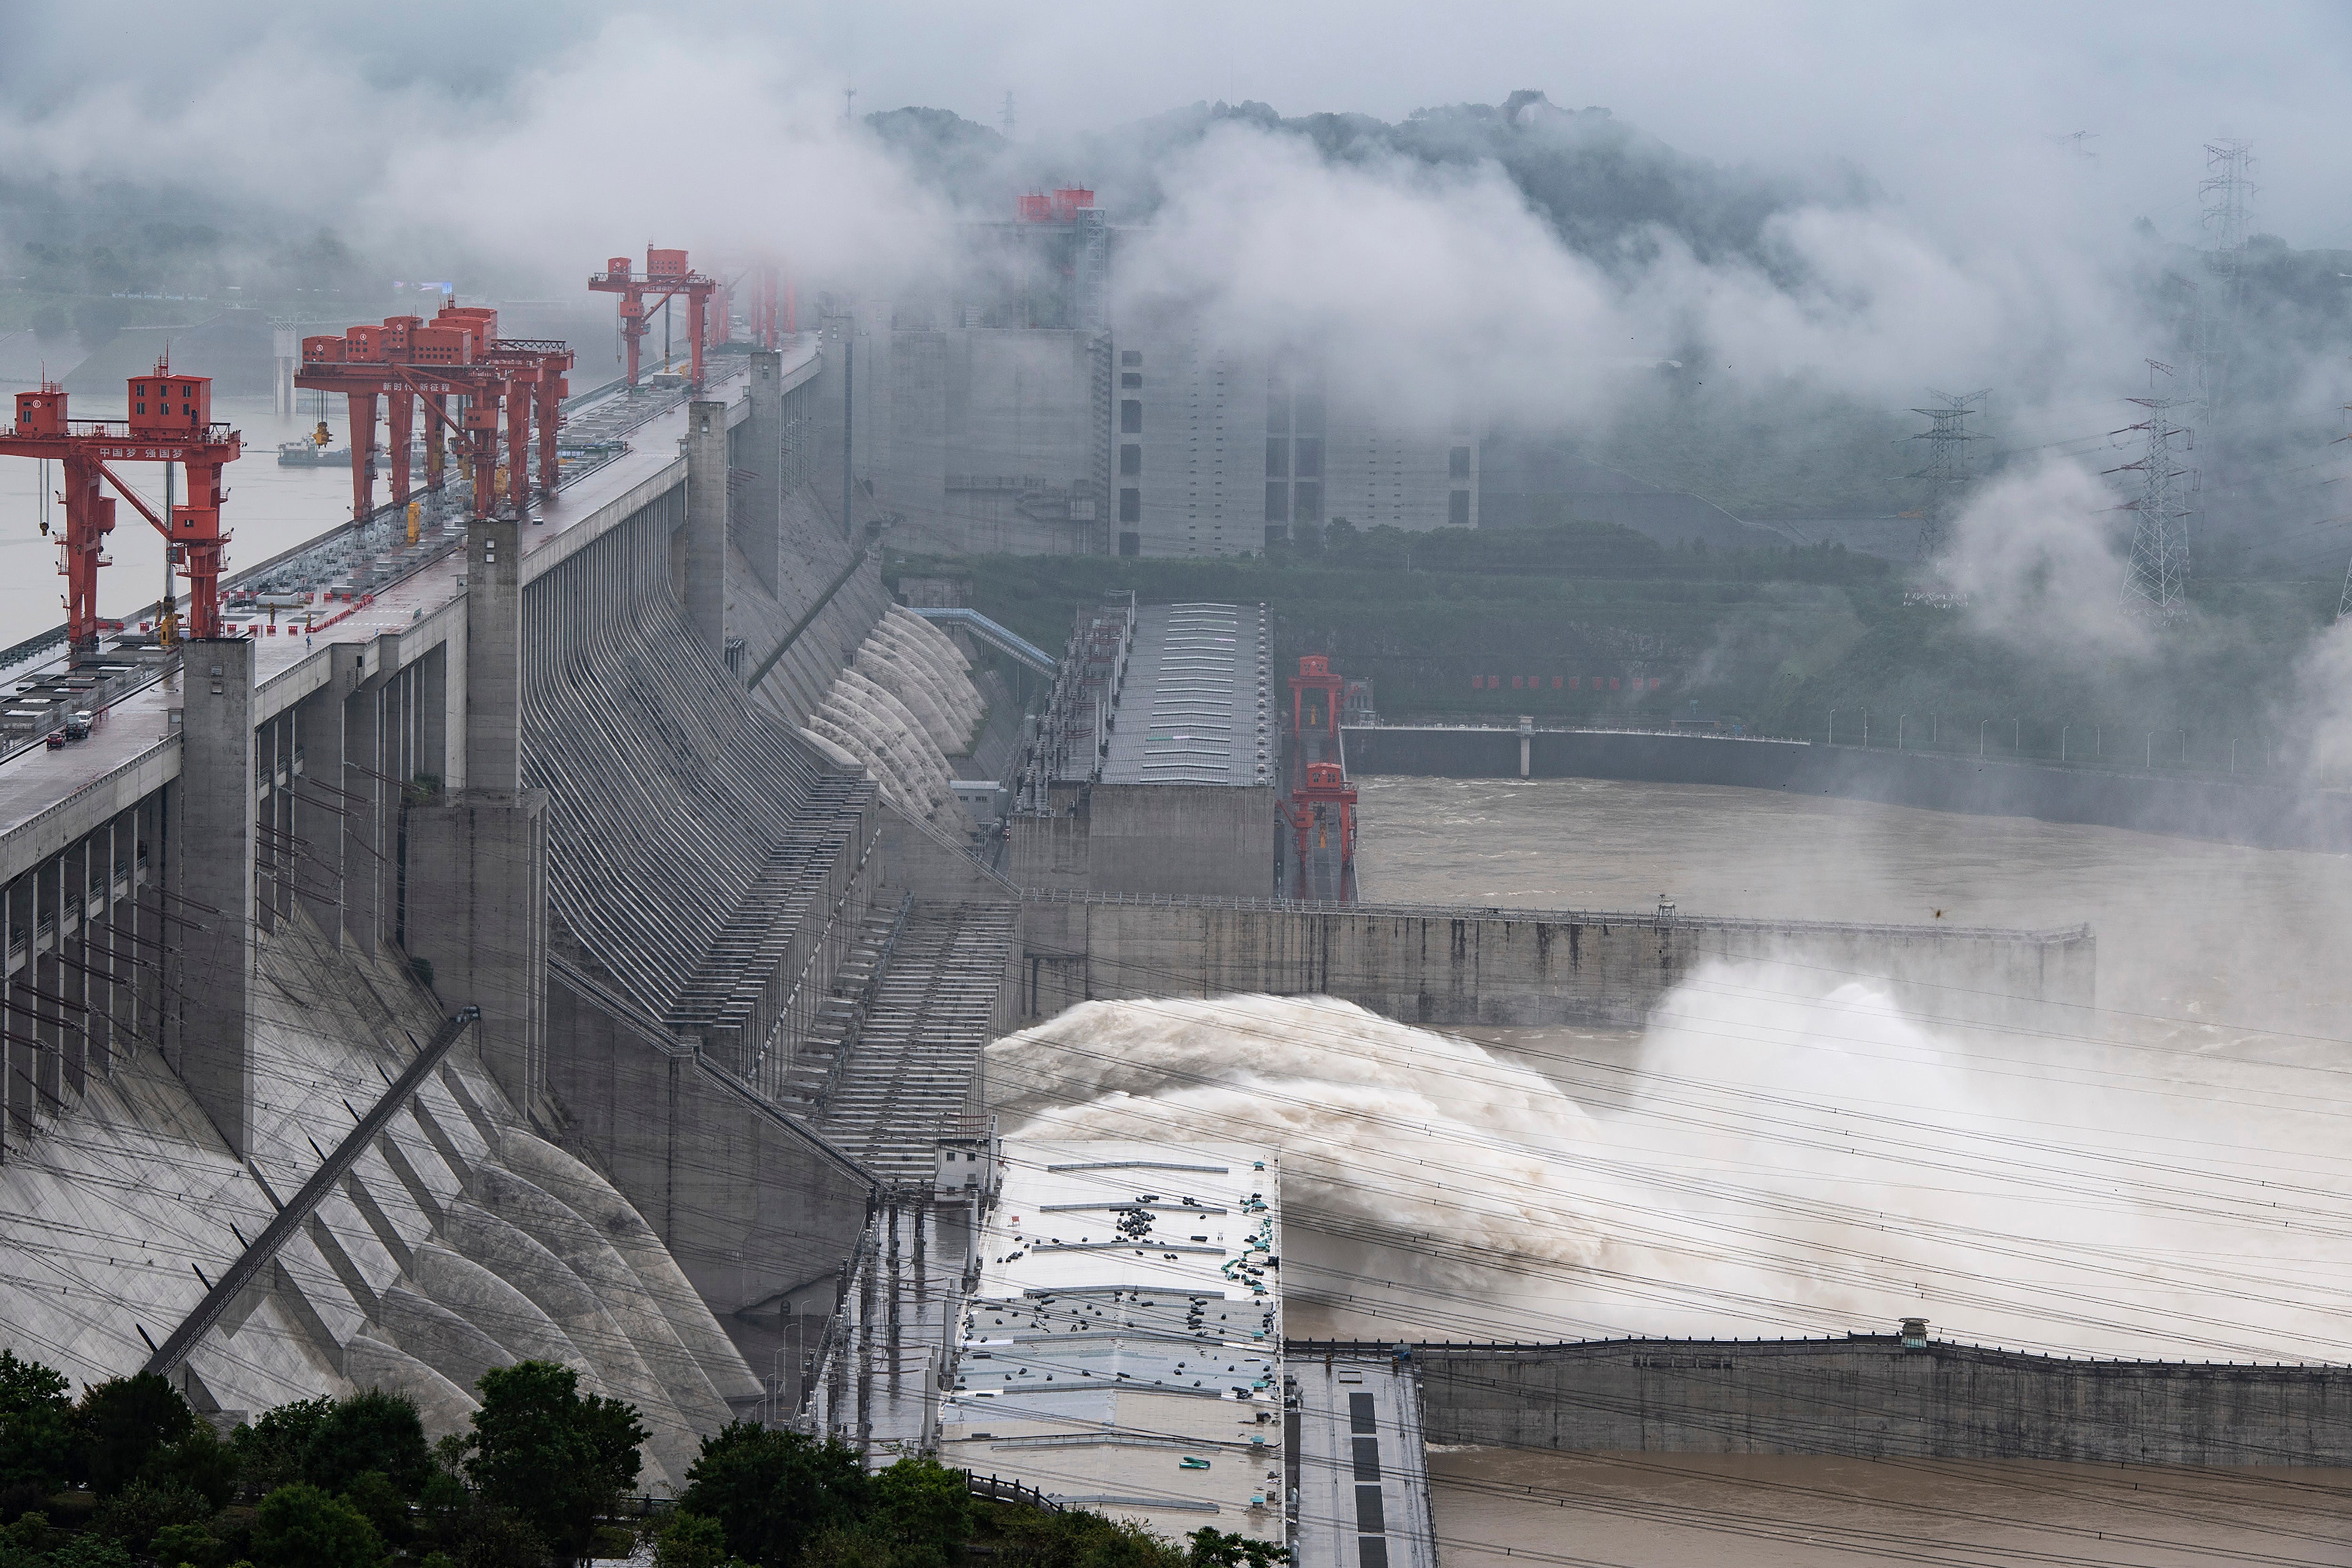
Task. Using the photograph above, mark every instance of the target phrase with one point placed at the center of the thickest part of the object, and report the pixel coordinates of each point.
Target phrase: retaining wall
(2269, 816)
(1423, 965)
(1866, 1396)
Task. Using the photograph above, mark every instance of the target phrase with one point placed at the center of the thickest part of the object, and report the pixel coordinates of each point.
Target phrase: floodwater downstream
(2221, 963)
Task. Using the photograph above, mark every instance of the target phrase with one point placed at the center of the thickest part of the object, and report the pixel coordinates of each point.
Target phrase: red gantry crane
(169, 420)
(457, 356)
(666, 276)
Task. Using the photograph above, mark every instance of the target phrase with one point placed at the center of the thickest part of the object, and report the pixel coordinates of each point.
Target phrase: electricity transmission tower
(1947, 470)
(2156, 583)
(1005, 119)
(2226, 196)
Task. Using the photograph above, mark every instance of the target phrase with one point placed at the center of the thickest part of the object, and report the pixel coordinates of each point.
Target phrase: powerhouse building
(1023, 412)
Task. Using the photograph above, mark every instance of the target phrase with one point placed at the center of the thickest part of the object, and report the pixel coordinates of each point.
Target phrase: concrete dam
(575, 948)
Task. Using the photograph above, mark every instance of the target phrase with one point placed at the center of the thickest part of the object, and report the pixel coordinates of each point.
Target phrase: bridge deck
(48, 798)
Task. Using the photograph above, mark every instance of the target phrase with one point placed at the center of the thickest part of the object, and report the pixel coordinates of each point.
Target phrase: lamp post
(1898, 730)
(1982, 728)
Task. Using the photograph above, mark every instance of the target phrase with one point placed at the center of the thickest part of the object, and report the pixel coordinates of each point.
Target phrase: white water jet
(1783, 1156)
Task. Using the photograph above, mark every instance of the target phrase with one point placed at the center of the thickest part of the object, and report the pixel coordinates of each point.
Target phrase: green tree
(773, 1491)
(123, 1422)
(557, 1461)
(189, 1544)
(135, 1512)
(923, 1509)
(272, 1450)
(1214, 1548)
(380, 1504)
(373, 1431)
(88, 1550)
(691, 1541)
(36, 1421)
(302, 1527)
(199, 1462)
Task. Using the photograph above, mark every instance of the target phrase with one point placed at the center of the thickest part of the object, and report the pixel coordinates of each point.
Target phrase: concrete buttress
(477, 899)
(705, 588)
(760, 527)
(493, 655)
(211, 926)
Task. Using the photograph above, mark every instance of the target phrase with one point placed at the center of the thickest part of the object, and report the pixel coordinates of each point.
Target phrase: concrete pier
(759, 523)
(703, 582)
(210, 1038)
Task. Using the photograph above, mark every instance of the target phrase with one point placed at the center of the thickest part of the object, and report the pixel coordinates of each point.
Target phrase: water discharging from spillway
(1779, 1155)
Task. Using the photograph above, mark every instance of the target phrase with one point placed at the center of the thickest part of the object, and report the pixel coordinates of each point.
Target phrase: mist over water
(1782, 1151)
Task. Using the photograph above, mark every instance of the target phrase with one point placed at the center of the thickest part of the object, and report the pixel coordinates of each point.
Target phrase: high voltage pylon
(2156, 583)
(1949, 470)
(2226, 196)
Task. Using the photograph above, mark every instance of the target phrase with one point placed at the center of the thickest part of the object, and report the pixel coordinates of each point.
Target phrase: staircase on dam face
(819, 1056)
(911, 1071)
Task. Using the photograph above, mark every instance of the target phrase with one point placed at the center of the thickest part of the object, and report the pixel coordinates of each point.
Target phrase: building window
(1278, 458)
(1130, 417)
(1130, 544)
(1277, 503)
(1457, 509)
(1131, 356)
(1276, 536)
(1458, 463)
(1310, 451)
(1309, 505)
(1130, 459)
(1277, 415)
(1132, 378)
(1310, 411)
(1130, 505)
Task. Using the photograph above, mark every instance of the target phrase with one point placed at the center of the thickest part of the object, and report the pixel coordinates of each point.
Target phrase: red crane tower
(170, 421)
(456, 355)
(1326, 793)
(771, 306)
(666, 276)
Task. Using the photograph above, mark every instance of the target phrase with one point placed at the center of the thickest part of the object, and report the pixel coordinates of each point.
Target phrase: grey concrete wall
(2271, 816)
(1868, 1397)
(1428, 965)
(211, 857)
(918, 858)
(744, 1202)
(1181, 839)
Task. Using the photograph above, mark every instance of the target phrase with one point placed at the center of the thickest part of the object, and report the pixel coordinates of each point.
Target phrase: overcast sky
(1927, 98)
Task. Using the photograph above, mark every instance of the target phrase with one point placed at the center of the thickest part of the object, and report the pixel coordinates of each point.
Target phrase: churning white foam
(1775, 1155)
